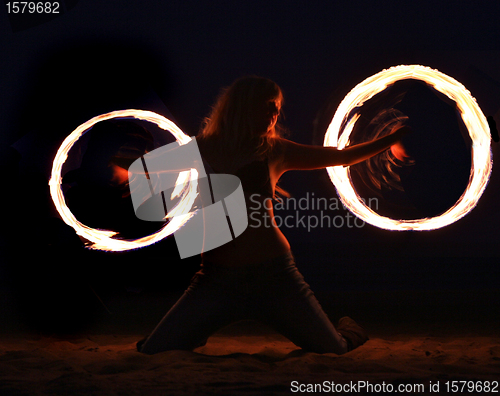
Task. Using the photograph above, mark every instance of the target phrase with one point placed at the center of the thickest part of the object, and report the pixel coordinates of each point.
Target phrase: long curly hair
(232, 124)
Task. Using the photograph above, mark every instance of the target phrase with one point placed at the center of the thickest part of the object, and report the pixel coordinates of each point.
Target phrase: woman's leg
(202, 310)
(300, 318)
(291, 308)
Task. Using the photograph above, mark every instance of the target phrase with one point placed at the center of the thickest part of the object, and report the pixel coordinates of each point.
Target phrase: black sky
(176, 55)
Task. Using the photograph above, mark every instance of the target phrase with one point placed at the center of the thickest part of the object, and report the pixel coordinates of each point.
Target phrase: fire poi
(337, 135)
(103, 239)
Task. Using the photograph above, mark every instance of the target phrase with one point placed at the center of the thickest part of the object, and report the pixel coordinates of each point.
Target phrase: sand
(228, 365)
(249, 359)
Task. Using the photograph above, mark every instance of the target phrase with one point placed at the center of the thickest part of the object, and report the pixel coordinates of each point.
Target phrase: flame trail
(337, 135)
(103, 239)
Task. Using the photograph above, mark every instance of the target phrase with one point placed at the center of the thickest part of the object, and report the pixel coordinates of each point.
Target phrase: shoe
(353, 333)
(140, 344)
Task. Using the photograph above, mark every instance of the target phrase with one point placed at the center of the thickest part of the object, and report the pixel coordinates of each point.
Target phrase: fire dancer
(254, 276)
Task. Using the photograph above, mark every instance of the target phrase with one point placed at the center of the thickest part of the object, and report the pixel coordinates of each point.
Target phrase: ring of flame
(102, 239)
(472, 116)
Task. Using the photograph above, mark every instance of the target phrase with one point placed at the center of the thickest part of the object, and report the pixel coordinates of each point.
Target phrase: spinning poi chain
(340, 129)
(103, 239)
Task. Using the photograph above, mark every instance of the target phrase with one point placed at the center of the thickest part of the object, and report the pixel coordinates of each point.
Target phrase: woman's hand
(398, 149)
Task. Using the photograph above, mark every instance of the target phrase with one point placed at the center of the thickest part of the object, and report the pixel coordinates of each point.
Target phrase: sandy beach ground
(419, 344)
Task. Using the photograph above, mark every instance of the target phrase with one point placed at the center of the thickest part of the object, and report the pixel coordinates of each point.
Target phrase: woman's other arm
(301, 156)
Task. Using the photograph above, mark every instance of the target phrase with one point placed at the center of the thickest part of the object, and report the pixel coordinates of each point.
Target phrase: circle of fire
(102, 239)
(472, 116)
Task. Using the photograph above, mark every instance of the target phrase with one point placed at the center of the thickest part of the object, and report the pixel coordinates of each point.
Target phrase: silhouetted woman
(254, 276)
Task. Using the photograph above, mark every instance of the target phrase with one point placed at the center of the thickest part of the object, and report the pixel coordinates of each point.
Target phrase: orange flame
(103, 239)
(472, 116)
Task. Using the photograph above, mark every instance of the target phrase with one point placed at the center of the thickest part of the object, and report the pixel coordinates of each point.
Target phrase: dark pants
(272, 292)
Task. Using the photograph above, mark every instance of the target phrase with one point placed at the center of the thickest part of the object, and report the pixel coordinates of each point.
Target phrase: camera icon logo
(216, 211)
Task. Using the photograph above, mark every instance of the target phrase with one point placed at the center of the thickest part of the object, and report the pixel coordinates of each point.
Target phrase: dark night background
(173, 57)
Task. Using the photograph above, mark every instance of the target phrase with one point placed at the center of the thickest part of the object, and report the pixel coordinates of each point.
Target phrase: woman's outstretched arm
(300, 156)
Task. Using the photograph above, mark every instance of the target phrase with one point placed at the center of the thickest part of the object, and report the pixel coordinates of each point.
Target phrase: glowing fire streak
(471, 114)
(103, 239)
